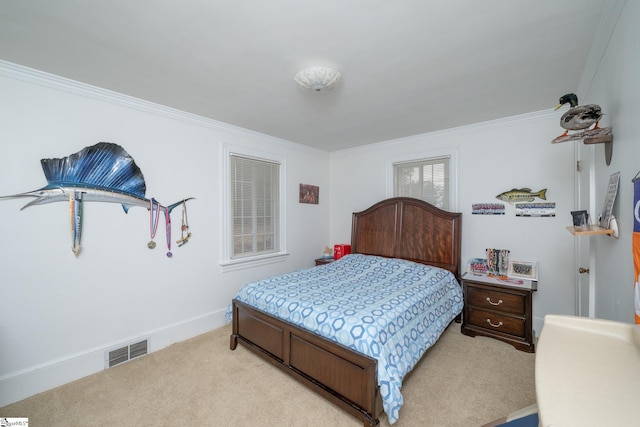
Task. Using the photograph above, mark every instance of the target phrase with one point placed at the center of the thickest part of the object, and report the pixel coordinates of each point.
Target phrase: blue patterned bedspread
(390, 309)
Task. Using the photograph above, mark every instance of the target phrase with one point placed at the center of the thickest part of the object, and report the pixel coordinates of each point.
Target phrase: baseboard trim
(37, 379)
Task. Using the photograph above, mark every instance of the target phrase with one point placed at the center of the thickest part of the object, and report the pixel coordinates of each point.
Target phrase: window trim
(226, 262)
(452, 153)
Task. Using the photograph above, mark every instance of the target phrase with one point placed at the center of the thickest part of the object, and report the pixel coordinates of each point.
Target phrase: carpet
(461, 382)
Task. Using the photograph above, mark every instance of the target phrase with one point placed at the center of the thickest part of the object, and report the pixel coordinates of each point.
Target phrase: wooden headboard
(403, 227)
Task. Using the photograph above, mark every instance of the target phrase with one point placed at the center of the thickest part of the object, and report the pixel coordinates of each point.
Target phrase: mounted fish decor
(521, 195)
(104, 172)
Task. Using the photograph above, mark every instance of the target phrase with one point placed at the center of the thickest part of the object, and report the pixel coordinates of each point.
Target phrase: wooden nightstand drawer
(497, 322)
(499, 309)
(506, 302)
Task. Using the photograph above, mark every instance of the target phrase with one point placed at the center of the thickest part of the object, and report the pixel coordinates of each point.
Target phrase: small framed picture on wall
(309, 194)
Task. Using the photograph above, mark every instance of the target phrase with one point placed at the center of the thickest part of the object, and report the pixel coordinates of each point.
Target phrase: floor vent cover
(126, 353)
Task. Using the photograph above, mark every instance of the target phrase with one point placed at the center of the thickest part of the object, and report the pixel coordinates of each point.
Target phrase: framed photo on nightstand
(523, 269)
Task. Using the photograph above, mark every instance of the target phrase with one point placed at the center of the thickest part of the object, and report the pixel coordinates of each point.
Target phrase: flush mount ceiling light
(317, 78)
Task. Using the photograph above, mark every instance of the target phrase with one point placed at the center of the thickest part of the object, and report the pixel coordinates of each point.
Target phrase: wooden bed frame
(399, 227)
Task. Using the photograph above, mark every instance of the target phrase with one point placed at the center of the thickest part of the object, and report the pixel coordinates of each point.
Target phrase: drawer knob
(494, 303)
(494, 324)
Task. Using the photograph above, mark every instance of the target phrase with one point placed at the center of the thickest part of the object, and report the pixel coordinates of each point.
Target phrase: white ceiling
(408, 66)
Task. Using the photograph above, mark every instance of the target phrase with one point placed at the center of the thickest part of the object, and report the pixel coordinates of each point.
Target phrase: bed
(401, 237)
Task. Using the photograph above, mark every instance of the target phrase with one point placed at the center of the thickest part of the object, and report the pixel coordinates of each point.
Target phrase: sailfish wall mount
(103, 172)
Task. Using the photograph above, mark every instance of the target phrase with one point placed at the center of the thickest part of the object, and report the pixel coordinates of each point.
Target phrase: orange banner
(636, 246)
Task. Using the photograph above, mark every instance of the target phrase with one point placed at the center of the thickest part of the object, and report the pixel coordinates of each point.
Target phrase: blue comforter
(390, 309)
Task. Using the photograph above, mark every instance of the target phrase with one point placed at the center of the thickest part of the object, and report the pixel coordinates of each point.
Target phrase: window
(426, 179)
(253, 221)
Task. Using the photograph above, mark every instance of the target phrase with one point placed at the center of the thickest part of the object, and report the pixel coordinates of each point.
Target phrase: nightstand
(499, 309)
(322, 261)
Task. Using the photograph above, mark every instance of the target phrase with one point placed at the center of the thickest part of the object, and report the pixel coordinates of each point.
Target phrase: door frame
(584, 250)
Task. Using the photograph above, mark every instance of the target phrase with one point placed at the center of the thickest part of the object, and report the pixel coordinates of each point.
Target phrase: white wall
(61, 313)
(492, 157)
(616, 88)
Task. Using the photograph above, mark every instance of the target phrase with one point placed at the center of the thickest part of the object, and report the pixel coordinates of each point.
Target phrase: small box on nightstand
(341, 250)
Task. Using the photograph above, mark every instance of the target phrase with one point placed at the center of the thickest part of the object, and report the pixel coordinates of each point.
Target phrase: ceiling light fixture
(318, 78)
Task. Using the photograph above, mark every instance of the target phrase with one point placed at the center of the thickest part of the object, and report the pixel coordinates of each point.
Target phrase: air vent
(126, 353)
(138, 349)
(118, 356)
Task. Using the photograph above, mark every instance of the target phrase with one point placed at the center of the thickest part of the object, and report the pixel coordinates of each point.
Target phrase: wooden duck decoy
(579, 117)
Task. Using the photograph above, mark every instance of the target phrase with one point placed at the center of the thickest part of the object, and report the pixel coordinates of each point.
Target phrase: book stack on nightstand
(500, 309)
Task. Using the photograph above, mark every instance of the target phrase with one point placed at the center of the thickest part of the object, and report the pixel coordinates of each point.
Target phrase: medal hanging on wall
(184, 228)
(167, 219)
(154, 214)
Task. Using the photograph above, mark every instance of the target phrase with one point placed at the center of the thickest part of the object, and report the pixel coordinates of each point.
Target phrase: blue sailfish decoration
(104, 172)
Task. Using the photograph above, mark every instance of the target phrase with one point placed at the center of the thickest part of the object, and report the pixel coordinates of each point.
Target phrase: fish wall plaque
(103, 172)
(522, 195)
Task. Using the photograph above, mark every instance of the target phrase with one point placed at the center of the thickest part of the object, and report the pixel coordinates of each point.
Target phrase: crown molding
(63, 84)
(460, 130)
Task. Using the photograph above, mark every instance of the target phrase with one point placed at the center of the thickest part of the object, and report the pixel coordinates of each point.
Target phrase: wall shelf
(592, 136)
(593, 230)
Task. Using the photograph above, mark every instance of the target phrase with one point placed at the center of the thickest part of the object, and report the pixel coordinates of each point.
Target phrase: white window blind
(255, 206)
(425, 179)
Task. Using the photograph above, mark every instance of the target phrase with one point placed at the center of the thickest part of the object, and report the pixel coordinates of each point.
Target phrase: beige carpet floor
(461, 381)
